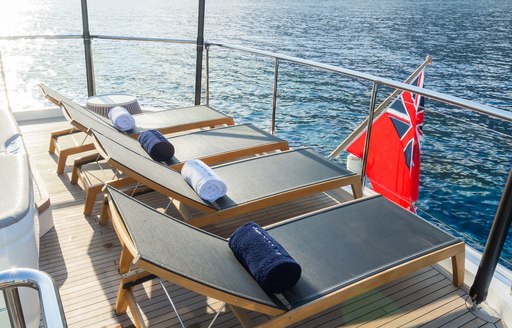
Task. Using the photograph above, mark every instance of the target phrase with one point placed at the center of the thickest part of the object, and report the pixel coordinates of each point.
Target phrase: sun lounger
(212, 146)
(253, 183)
(344, 251)
(166, 121)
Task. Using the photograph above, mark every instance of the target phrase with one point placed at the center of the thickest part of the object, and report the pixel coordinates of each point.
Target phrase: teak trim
(275, 199)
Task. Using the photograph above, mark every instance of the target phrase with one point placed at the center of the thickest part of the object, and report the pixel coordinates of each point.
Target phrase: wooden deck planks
(82, 256)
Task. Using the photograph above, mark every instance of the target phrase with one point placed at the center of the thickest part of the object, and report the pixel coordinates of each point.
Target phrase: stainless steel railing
(376, 81)
(51, 306)
(439, 96)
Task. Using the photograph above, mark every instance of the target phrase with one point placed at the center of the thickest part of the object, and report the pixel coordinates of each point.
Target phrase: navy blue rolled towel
(265, 259)
(156, 145)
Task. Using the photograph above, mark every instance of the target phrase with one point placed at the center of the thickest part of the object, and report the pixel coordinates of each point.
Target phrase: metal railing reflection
(49, 298)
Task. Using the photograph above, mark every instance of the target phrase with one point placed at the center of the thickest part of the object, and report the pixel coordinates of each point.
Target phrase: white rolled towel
(205, 182)
(121, 118)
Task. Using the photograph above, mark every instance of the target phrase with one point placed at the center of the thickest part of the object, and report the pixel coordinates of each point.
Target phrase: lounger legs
(135, 310)
(125, 298)
(90, 198)
(242, 316)
(61, 161)
(458, 268)
(79, 162)
(125, 261)
(63, 154)
(51, 147)
(104, 211)
(55, 135)
(357, 188)
(182, 209)
(121, 304)
(104, 216)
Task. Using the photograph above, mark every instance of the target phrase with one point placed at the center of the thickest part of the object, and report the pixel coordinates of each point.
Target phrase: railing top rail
(35, 37)
(442, 97)
(104, 37)
(135, 38)
(439, 96)
(48, 294)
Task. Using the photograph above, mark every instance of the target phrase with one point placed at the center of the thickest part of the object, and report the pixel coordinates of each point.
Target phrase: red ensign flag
(393, 166)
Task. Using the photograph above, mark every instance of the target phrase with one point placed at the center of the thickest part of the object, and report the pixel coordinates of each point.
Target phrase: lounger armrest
(81, 161)
(64, 132)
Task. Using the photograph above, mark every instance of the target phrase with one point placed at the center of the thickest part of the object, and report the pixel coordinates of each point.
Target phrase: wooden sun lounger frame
(63, 153)
(238, 305)
(54, 147)
(92, 191)
(214, 215)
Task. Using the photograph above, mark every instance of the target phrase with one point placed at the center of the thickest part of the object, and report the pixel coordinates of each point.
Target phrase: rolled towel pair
(204, 181)
(265, 259)
(121, 118)
(156, 145)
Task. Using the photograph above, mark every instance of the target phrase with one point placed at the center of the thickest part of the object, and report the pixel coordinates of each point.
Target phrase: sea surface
(466, 157)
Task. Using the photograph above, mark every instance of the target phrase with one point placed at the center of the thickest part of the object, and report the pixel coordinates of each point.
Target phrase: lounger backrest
(107, 130)
(147, 168)
(84, 116)
(53, 95)
(208, 140)
(101, 125)
(74, 111)
(186, 251)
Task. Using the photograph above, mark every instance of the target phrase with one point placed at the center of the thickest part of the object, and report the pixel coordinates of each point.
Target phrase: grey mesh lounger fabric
(344, 251)
(166, 121)
(253, 183)
(212, 146)
(208, 143)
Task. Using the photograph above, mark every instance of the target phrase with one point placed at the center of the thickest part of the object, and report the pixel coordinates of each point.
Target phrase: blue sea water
(465, 156)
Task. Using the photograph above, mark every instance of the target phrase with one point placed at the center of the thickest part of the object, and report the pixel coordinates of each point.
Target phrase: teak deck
(82, 256)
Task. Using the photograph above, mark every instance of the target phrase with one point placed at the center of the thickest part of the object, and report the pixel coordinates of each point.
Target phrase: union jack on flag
(393, 166)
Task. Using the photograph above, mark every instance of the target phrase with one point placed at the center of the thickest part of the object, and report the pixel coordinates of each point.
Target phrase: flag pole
(379, 109)
(371, 115)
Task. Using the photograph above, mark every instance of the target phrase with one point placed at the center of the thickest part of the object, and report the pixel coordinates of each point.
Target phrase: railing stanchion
(13, 304)
(371, 114)
(207, 68)
(89, 70)
(494, 245)
(379, 109)
(274, 96)
(49, 298)
(200, 46)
